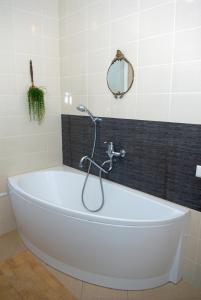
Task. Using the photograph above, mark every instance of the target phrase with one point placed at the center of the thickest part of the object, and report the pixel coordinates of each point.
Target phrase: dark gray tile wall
(161, 157)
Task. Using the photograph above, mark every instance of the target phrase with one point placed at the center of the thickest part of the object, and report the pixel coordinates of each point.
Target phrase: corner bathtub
(135, 242)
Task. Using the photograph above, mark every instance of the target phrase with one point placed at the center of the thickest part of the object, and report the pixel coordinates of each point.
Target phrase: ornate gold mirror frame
(120, 56)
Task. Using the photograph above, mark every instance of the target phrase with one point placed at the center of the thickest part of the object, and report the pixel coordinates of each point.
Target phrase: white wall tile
(145, 4)
(66, 65)
(194, 227)
(65, 87)
(7, 86)
(70, 108)
(78, 85)
(77, 21)
(27, 23)
(75, 85)
(191, 248)
(6, 18)
(123, 8)
(50, 27)
(100, 105)
(99, 61)
(29, 5)
(7, 64)
(125, 107)
(188, 270)
(78, 43)
(23, 144)
(24, 43)
(52, 86)
(64, 27)
(29, 30)
(13, 105)
(54, 142)
(154, 79)
(7, 46)
(98, 13)
(78, 64)
(188, 14)
(64, 8)
(156, 51)
(153, 107)
(124, 30)
(51, 66)
(186, 108)
(188, 45)
(65, 47)
(186, 77)
(158, 20)
(7, 221)
(50, 8)
(97, 84)
(74, 5)
(50, 47)
(98, 38)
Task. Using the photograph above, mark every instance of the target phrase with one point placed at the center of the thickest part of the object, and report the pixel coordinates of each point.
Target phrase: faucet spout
(82, 160)
(110, 164)
(91, 161)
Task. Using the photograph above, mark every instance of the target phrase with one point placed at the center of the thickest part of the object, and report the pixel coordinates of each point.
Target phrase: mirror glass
(120, 75)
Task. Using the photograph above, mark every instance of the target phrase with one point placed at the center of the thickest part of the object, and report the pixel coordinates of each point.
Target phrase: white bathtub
(135, 242)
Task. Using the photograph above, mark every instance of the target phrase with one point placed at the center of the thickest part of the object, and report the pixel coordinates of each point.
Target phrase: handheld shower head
(83, 108)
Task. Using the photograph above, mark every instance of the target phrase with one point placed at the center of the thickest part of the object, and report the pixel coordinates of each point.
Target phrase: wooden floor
(28, 278)
(23, 277)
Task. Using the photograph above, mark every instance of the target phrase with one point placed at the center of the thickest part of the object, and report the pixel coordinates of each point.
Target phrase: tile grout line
(172, 63)
(137, 61)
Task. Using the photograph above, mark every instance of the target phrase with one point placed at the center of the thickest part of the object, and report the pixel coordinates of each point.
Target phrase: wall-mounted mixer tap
(111, 154)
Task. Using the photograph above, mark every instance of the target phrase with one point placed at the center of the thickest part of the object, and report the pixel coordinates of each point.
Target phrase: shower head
(83, 108)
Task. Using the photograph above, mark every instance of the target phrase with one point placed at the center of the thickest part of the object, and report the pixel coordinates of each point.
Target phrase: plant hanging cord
(31, 73)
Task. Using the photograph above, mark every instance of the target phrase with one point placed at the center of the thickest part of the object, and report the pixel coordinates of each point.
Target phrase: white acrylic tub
(135, 242)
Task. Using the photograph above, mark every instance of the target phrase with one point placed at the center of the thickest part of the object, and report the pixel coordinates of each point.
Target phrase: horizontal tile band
(161, 157)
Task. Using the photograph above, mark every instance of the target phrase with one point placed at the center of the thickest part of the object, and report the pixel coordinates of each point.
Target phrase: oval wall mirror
(120, 75)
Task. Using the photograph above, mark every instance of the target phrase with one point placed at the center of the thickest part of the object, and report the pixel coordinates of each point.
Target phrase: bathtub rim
(91, 217)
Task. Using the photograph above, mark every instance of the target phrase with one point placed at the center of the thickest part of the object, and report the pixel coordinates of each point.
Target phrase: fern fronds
(36, 103)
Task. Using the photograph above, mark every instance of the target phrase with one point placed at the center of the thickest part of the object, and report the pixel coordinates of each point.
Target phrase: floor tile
(72, 284)
(94, 292)
(24, 277)
(181, 291)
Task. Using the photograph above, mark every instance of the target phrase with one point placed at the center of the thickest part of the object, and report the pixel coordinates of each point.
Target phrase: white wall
(28, 30)
(162, 39)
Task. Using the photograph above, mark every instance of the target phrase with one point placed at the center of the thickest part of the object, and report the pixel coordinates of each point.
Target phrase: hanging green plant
(35, 100)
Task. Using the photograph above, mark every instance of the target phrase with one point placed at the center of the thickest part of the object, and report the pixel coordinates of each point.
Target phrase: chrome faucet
(91, 161)
(111, 153)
